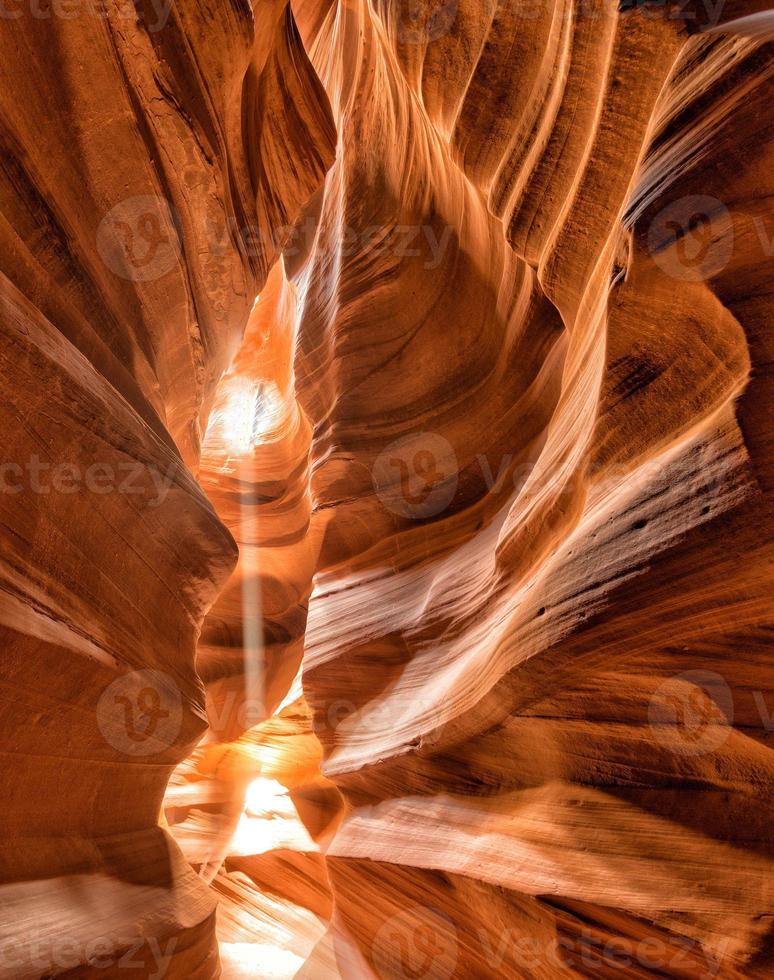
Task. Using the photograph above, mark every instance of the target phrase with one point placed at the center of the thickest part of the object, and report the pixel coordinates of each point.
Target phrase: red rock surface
(385, 580)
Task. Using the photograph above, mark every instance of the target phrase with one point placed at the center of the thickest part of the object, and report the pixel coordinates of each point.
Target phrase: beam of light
(248, 413)
(252, 613)
(254, 695)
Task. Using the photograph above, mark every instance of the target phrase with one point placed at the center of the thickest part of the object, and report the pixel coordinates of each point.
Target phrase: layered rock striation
(386, 557)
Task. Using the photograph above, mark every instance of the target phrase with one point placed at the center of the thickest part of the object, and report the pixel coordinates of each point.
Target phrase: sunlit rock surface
(385, 581)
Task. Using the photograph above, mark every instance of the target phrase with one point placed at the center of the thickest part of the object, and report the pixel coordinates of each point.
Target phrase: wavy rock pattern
(386, 509)
(505, 654)
(126, 187)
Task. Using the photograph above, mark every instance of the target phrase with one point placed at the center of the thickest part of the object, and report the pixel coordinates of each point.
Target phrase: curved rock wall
(487, 689)
(543, 587)
(135, 143)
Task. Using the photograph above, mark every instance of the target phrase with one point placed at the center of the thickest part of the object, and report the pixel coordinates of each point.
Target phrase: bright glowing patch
(249, 412)
(267, 797)
(259, 960)
(270, 822)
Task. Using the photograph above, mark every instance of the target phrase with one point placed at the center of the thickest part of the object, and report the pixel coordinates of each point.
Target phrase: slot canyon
(386, 555)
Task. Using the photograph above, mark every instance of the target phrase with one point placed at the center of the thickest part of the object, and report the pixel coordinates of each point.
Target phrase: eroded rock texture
(386, 488)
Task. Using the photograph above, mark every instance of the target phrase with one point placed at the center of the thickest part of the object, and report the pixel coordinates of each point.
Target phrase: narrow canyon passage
(386, 486)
